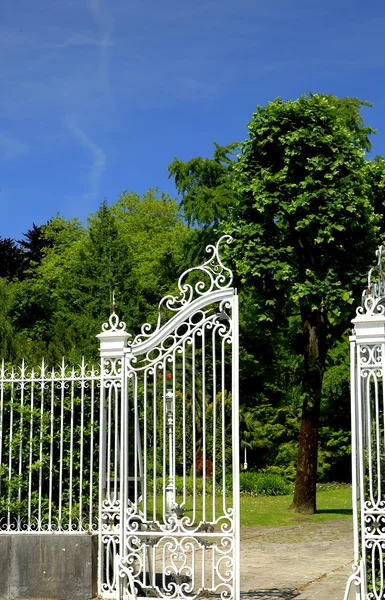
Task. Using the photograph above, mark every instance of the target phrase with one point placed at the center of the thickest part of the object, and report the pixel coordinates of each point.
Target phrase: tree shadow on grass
(270, 594)
(335, 511)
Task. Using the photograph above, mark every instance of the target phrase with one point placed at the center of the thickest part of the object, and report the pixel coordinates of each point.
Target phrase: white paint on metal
(176, 525)
(143, 450)
(46, 467)
(367, 371)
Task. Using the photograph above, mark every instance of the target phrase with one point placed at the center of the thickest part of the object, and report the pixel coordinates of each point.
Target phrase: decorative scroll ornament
(373, 297)
(114, 324)
(355, 577)
(194, 283)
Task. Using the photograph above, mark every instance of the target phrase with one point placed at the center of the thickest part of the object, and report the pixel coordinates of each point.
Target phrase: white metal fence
(368, 439)
(49, 437)
(87, 449)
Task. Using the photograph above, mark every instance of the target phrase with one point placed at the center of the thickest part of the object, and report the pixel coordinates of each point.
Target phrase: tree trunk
(314, 329)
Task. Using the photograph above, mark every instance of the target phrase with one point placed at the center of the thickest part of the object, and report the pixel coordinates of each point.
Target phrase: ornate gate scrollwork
(170, 445)
(367, 360)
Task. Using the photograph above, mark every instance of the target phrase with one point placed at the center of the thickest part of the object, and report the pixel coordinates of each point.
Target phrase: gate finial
(112, 300)
(373, 297)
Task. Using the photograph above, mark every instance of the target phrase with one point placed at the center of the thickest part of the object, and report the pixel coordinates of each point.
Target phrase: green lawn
(274, 510)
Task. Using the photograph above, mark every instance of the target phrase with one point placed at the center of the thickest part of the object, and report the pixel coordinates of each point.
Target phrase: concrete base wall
(53, 566)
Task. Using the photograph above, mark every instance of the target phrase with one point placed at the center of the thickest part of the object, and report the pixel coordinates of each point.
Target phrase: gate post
(367, 370)
(113, 340)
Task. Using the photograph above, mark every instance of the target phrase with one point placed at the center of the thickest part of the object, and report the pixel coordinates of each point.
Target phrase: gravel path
(303, 562)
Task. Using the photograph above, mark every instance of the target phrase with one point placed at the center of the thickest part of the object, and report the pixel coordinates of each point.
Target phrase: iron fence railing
(49, 439)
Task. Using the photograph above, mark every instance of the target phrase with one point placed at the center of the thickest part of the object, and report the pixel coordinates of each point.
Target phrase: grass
(272, 511)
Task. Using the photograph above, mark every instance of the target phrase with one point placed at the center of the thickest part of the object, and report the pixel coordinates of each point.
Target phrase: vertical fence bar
(194, 465)
(134, 388)
(61, 450)
(91, 456)
(2, 383)
(361, 459)
(123, 470)
(223, 426)
(165, 444)
(154, 470)
(102, 470)
(42, 384)
(174, 426)
(31, 450)
(204, 423)
(82, 386)
(51, 450)
(10, 448)
(19, 494)
(71, 463)
(353, 392)
(184, 458)
(214, 397)
(235, 446)
(144, 473)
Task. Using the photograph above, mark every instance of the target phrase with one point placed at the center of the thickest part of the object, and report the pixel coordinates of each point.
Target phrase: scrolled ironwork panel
(178, 482)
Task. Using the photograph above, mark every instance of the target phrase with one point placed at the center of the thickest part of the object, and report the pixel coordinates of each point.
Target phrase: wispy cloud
(11, 147)
(61, 64)
(98, 159)
(105, 24)
(83, 39)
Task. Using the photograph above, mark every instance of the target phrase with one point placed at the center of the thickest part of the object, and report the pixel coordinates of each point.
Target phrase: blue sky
(97, 96)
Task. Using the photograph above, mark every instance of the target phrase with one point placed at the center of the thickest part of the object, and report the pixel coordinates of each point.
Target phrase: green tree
(6, 329)
(206, 189)
(12, 262)
(304, 229)
(33, 245)
(133, 248)
(205, 185)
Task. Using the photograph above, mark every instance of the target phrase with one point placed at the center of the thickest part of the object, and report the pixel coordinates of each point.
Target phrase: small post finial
(112, 301)
(373, 296)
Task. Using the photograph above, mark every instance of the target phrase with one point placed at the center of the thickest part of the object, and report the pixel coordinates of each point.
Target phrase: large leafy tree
(302, 203)
(305, 228)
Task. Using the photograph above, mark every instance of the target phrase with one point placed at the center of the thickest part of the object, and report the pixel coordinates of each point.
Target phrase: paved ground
(302, 562)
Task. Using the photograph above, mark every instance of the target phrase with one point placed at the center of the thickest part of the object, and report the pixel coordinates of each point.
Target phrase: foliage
(11, 258)
(304, 205)
(263, 483)
(6, 330)
(305, 229)
(260, 483)
(33, 434)
(133, 248)
(205, 185)
(304, 225)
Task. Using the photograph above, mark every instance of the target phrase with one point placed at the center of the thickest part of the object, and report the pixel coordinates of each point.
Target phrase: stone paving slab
(304, 562)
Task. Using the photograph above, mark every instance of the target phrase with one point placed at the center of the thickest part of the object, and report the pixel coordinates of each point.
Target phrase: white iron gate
(368, 439)
(169, 448)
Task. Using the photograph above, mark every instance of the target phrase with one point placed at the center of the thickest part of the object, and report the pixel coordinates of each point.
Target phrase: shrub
(264, 483)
